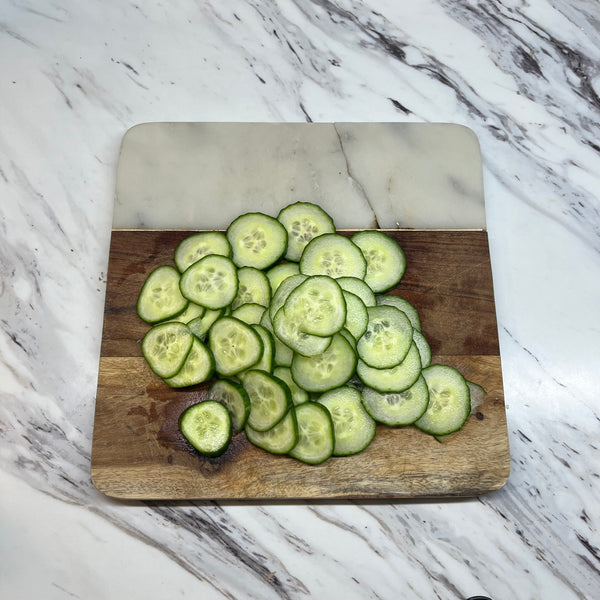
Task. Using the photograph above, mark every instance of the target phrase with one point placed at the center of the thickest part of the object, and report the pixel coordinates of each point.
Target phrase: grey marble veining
(524, 76)
(365, 175)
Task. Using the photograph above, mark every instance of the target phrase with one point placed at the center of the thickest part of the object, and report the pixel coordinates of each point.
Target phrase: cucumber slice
(253, 288)
(193, 311)
(357, 317)
(330, 369)
(349, 337)
(283, 354)
(279, 439)
(166, 346)
(315, 434)
(199, 245)
(235, 345)
(249, 313)
(353, 427)
(280, 273)
(303, 221)
(197, 367)
(270, 399)
(160, 297)
(385, 259)
(265, 362)
(283, 291)
(334, 255)
(358, 287)
(397, 409)
(318, 305)
(207, 426)
(404, 305)
(211, 282)
(394, 379)
(423, 347)
(289, 332)
(257, 240)
(299, 396)
(200, 325)
(387, 338)
(234, 397)
(449, 403)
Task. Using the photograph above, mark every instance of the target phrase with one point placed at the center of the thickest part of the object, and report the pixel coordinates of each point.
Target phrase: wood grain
(138, 451)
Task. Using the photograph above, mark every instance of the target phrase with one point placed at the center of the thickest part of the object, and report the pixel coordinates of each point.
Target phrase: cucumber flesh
(207, 426)
(160, 297)
(197, 368)
(253, 288)
(280, 439)
(235, 345)
(211, 282)
(234, 397)
(353, 427)
(315, 434)
(166, 346)
(270, 399)
(199, 245)
(334, 255)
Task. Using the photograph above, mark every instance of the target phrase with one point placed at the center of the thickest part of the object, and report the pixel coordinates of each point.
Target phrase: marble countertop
(525, 77)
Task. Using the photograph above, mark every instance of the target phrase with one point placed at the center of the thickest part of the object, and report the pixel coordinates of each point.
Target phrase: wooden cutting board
(138, 451)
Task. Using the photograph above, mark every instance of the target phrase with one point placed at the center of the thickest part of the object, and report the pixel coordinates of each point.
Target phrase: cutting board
(138, 451)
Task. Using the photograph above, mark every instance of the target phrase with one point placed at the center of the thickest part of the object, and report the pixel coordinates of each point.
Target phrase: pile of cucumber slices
(290, 322)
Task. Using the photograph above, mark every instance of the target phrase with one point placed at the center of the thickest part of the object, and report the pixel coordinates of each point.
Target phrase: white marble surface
(74, 76)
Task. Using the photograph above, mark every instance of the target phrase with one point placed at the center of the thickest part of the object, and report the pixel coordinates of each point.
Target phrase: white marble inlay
(388, 175)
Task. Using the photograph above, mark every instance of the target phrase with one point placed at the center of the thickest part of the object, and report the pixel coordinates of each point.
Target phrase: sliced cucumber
(299, 396)
(207, 426)
(330, 369)
(423, 346)
(358, 287)
(283, 354)
(357, 317)
(280, 273)
(235, 345)
(289, 332)
(233, 396)
(353, 427)
(253, 288)
(270, 399)
(160, 297)
(199, 245)
(449, 401)
(334, 255)
(318, 305)
(166, 346)
(315, 434)
(197, 367)
(387, 338)
(249, 313)
(193, 311)
(265, 363)
(394, 379)
(303, 221)
(280, 439)
(200, 325)
(399, 408)
(211, 282)
(385, 259)
(257, 240)
(404, 305)
(283, 291)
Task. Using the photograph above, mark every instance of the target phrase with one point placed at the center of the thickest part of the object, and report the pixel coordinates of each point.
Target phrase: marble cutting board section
(422, 180)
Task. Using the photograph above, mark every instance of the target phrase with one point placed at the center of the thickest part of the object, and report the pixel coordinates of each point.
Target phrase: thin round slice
(385, 259)
(160, 297)
(235, 345)
(318, 305)
(257, 240)
(449, 401)
(249, 313)
(424, 349)
(211, 282)
(270, 399)
(357, 317)
(358, 287)
(353, 427)
(207, 426)
(279, 439)
(334, 255)
(401, 304)
(166, 346)
(315, 434)
(200, 325)
(299, 396)
(199, 245)
(290, 333)
(387, 338)
(303, 221)
(280, 273)
(234, 397)
(253, 288)
(197, 367)
(325, 371)
(394, 379)
(397, 408)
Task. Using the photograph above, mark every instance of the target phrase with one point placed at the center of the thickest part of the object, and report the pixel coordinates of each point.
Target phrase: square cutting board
(422, 183)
